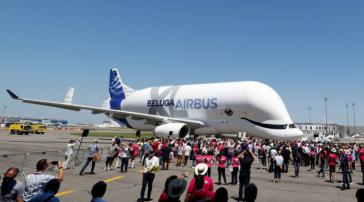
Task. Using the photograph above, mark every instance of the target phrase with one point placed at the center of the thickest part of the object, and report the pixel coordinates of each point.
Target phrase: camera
(54, 162)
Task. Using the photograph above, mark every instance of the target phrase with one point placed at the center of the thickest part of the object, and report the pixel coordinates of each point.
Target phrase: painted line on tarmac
(65, 193)
(113, 179)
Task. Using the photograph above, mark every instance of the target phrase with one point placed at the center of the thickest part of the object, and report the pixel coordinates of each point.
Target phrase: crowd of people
(202, 155)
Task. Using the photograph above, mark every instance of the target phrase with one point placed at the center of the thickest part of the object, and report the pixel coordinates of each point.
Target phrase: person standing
(221, 159)
(230, 152)
(332, 164)
(134, 153)
(11, 189)
(263, 156)
(235, 169)
(200, 158)
(93, 150)
(350, 160)
(69, 152)
(246, 159)
(124, 155)
(187, 152)
(151, 167)
(322, 158)
(344, 165)
(312, 155)
(361, 158)
(146, 150)
(179, 153)
(209, 160)
(112, 151)
(272, 155)
(286, 154)
(296, 160)
(278, 161)
(166, 150)
(194, 154)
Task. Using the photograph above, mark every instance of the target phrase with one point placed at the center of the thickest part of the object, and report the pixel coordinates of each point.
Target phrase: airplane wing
(98, 110)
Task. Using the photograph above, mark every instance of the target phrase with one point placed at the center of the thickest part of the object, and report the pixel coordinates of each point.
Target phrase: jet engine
(172, 130)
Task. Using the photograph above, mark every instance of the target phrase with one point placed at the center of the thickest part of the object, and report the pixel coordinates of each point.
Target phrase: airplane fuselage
(231, 107)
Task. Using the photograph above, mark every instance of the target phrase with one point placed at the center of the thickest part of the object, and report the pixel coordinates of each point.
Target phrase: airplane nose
(298, 133)
(295, 134)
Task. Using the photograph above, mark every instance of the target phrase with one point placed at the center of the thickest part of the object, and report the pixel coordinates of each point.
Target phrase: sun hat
(201, 169)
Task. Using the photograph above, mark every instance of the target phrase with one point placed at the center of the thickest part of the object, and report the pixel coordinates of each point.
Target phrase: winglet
(12, 95)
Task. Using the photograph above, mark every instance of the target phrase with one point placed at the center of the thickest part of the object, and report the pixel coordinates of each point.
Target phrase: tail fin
(117, 89)
(69, 96)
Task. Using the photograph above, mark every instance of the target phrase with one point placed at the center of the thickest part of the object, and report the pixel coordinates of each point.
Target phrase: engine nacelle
(172, 130)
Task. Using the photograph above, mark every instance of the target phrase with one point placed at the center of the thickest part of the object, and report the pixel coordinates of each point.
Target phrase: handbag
(97, 157)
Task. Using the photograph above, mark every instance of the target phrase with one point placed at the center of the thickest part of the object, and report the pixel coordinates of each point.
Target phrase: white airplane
(200, 109)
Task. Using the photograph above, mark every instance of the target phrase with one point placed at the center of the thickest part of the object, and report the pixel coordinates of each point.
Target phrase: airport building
(318, 130)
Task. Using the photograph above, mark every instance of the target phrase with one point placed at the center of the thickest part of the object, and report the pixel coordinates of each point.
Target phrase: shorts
(332, 168)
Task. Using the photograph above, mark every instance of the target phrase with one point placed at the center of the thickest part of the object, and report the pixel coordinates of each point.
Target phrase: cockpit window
(292, 126)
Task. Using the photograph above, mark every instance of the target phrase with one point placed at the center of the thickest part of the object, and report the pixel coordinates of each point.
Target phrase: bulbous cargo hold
(229, 107)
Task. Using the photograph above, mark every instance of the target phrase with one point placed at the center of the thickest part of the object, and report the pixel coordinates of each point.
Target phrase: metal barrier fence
(26, 162)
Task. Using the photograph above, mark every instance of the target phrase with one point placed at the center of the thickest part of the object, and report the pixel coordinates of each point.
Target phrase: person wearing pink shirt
(235, 165)
(209, 160)
(194, 154)
(134, 154)
(200, 159)
(221, 159)
(207, 184)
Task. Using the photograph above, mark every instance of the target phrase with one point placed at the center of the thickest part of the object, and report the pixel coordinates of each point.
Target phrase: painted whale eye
(229, 112)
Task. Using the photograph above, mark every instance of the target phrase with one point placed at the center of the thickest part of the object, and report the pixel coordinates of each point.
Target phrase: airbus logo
(183, 104)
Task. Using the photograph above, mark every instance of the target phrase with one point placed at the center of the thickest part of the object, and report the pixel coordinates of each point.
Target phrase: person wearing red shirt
(200, 159)
(361, 158)
(312, 155)
(199, 192)
(134, 154)
(155, 146)
(208, 184)
(221, 158)
(209, 160)
(235, 165)
(194, 154)
(332, 164)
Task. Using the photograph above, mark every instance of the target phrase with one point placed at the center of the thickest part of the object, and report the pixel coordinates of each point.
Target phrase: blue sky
(305, 50)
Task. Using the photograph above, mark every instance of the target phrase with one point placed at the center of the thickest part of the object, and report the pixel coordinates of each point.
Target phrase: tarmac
(125, 187)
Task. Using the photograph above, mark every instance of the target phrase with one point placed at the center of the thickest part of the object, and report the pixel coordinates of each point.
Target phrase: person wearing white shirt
(187, 150)
(69, 152)
(278, 160)
(151, 167)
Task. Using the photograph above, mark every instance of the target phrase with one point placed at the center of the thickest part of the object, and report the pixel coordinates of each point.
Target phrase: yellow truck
(20, 128)
(39, 129)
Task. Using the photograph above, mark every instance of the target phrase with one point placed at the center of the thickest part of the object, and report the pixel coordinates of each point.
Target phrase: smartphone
(54, 162)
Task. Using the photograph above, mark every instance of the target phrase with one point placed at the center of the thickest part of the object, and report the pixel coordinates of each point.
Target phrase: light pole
(2, 113)
(326, 99)
(354, 117)
(309, 114)
(347, 120)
